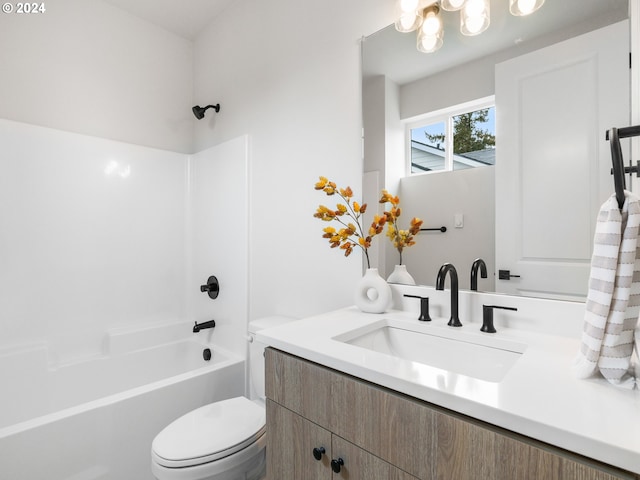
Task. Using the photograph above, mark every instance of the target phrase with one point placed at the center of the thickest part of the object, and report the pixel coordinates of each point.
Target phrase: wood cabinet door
(290, 443)
(302, 387)
(361, 465)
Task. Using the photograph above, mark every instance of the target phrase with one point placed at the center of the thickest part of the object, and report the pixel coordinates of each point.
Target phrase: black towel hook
(614, 135)
(618, 165)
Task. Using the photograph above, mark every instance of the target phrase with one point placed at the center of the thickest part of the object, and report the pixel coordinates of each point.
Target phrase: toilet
(224, 440)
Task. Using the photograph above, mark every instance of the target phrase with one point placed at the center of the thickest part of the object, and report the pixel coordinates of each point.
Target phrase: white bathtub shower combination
(103, 248)
(96, 418)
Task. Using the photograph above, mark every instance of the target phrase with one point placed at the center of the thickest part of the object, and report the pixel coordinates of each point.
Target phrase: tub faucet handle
(212, 287)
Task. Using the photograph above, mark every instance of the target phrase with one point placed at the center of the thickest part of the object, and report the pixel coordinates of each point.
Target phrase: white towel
(613, 301)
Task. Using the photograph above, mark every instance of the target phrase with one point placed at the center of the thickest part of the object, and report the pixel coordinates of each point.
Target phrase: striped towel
(613, 301)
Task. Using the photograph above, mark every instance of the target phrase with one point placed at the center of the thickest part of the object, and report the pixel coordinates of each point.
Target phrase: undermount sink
(480, 356)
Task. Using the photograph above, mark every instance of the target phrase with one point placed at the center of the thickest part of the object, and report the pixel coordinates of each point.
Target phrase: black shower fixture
(198, 111)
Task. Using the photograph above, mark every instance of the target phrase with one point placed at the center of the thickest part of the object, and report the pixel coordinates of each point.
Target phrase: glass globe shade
(429, 43)
(521, 8)
(431, 24)
(452, 5)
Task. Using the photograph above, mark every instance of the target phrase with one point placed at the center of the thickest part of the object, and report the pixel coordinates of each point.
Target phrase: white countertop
(539, 397)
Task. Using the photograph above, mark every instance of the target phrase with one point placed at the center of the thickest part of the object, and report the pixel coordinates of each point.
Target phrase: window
(457, 138)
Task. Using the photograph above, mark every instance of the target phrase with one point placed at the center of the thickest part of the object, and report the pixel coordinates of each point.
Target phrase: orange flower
(321, 184)
(346, 192)
(351, 234)
(400, 238)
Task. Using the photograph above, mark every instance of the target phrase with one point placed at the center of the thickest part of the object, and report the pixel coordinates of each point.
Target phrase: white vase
(401, 276)
(373, 293)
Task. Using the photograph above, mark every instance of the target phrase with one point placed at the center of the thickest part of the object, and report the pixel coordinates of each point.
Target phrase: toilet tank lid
(268, 322)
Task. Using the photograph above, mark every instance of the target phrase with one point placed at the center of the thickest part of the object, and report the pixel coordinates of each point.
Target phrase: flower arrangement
(348, 213)
(401, 239)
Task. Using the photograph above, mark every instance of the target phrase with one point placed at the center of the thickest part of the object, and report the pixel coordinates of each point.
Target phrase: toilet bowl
(224, 440)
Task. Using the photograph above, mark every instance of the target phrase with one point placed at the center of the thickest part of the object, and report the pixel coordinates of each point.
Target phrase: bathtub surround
(99, 234)
(104, 248)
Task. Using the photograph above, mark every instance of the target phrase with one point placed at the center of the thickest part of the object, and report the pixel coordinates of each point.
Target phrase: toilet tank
(256, 351)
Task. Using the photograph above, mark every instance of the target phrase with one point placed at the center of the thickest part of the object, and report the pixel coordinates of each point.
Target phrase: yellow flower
(351, 234)
(399, 238)
(346, 192)
(321, 184)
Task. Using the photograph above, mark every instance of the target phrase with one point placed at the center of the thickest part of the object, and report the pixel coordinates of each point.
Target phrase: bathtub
(95, 417)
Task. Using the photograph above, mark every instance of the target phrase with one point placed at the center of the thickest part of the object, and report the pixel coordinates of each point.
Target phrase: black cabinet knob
(336, 465)
(318, 452)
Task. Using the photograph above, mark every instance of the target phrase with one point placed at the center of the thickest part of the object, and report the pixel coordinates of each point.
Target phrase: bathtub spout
(201, 326)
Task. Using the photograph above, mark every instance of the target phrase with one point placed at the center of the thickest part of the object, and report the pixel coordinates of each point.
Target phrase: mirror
(400, 84)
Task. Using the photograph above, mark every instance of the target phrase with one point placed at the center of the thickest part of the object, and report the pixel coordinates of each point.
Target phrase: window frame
(444, 115)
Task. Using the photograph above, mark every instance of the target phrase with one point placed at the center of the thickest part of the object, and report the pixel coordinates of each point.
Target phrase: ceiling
(182, 17)
(394, 54)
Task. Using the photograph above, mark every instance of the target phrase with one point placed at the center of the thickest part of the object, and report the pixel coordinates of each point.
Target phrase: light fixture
(431, 31)
(408, 15)
(474, 17)
(520, 8)
(452, 5)
(425, 16)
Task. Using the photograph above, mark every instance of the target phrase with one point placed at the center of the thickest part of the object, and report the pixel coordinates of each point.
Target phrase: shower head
(198, 111)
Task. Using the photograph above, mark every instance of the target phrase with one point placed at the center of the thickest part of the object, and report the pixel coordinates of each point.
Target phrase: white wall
(436, 198)
(87, 67)
(287, 73)
(83, 252)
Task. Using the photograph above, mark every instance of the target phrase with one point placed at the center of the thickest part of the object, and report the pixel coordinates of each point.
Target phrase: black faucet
(424, 308)
(477, 263)
(201, 326)
(454, 321)
(487, 317)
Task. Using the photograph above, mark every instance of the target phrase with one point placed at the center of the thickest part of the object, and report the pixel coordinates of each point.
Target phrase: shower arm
(198, 111)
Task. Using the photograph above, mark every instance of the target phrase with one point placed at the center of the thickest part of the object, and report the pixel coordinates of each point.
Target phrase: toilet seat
(210, 433)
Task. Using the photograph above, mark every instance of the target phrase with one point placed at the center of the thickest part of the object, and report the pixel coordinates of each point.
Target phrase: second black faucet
(454, 321)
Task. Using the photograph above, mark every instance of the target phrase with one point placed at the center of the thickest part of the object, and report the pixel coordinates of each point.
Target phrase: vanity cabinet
(382, 434)
(306, 451)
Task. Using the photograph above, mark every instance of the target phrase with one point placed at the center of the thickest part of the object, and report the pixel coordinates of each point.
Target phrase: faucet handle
(487, 317)
(424, 307)
(212, 287)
